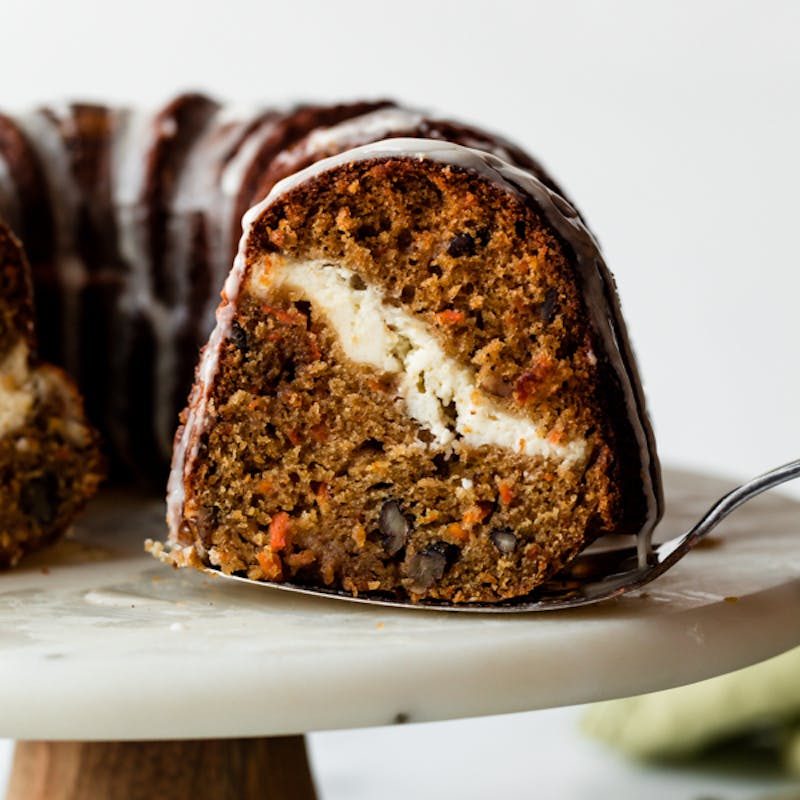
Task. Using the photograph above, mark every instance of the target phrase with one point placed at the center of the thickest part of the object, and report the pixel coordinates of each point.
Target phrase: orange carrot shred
(506, 492)
(265, 486)
(475, 515)
(270, 565)
(457, 532)
(450, 316)
(279, 531)
(301, 559)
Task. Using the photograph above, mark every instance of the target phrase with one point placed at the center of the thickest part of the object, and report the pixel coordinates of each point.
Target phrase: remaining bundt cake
(419, 385)
(49, 462)
(131, 220)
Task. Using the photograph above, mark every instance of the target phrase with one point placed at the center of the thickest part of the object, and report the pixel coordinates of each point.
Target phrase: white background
(674, 126)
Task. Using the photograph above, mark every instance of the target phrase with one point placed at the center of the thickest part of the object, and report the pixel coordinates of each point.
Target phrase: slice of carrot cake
(419, 385)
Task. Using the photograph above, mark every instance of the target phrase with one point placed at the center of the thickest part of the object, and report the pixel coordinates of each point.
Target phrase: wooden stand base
(216, 769)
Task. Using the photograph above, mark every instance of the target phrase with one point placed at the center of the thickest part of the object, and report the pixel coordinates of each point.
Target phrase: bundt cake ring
(419, 382)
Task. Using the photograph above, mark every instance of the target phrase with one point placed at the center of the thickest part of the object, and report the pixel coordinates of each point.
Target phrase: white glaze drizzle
(236, 169)
(194, 195)
(203, 188)
(218, 186)
(133, 135)
(367, 127)
(230, 185)
(488, 147)
(49, 142)
(131, 142)
(9, 198)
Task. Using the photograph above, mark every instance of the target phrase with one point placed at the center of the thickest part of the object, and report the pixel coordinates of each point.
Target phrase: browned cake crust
(49, 460)
(300, 463)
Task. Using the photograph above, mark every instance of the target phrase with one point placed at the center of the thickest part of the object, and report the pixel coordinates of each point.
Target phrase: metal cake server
(593, 575)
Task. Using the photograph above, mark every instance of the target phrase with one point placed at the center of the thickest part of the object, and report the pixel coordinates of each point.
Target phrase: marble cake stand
(126, 679)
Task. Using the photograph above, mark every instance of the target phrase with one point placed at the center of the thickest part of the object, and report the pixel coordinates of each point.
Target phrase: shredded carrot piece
(270, 564)
(278, 236)
(301, 559)
(359, 535)
(450, 316)
(475, 515)
(279, 531)
(457, 532)
(506, 492)
(430, 515)
(536, 381)
(532, 551)
(294, 437)
(265, 486)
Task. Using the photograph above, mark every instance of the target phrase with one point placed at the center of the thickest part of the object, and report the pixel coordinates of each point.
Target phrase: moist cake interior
(409, 400)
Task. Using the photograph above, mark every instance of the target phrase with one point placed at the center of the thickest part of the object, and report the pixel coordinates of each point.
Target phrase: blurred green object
(762, 701)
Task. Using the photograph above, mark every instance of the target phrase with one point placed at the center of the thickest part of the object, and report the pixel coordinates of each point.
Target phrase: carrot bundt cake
(419, 383)
(49, 462)
(419, 386)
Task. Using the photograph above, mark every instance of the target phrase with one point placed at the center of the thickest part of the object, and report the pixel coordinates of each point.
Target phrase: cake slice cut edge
(419, 385)
(50, 464)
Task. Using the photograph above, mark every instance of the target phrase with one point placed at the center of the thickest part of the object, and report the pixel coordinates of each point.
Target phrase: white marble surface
(98, 640)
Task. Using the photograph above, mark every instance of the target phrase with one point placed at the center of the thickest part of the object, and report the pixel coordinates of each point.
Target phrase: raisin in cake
(419, 385)
(49, 462)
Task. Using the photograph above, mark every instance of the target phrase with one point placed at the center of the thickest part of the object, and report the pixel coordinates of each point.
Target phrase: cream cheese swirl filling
(16, 390)
(440, 393)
